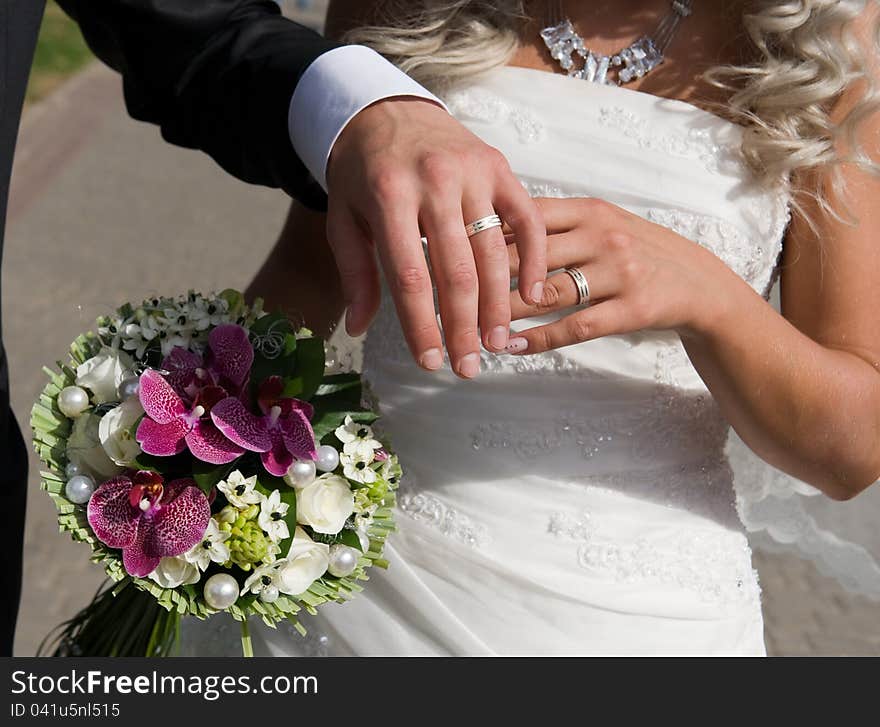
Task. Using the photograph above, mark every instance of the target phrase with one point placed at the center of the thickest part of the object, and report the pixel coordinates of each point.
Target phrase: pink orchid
(226, 364)
(178, 407)
(282, 434)
(147, 519)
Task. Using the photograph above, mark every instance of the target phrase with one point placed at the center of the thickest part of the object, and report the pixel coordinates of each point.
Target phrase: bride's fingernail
(537, 292)
(348, 317)
(469, 366)
(498, 337)
(516, 345)
(432, 359)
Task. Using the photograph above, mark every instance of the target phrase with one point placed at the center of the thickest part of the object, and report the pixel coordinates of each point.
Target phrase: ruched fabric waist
(546, 425)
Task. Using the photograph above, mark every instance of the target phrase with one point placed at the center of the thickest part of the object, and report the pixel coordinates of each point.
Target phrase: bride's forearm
(810, 410)
(299, 276)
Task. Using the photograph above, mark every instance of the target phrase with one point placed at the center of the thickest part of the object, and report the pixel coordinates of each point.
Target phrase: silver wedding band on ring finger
(482, 224)
(580, 282)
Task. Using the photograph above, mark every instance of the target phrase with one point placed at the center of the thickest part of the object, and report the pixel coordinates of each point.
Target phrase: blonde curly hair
(807, 54)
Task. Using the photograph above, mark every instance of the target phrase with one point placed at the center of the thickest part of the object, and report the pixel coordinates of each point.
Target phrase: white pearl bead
(365, 540)
(269, 594)
(301, 474)
(79, 489)
(328, 458)
(73, 401)
(73, 469)
(221, 591)
(129, 387)
(343, 560)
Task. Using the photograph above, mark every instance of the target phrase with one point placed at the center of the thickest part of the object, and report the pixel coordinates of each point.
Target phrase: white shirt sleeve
(334, 88)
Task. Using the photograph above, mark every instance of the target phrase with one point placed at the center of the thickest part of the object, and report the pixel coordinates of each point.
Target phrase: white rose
(325, 504)
(305, 563)
(84, 449)
(103, 373)
(116, 431)
(174, 572)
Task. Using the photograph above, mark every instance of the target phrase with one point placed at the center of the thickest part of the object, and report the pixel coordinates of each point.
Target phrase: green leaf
(310, 362)
(208, 475)
(347, 400)
(266, 483)
(168, 467)
(326, 423)
(288, 495)
(339, 382)
(272, 322)
(350, 538)
(150, 462)
(292, 387)
(274, 350)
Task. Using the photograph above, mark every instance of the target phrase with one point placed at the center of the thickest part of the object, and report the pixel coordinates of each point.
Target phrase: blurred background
(102, 211)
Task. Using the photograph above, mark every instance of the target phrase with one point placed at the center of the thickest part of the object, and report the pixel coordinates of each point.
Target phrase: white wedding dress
(581, 501)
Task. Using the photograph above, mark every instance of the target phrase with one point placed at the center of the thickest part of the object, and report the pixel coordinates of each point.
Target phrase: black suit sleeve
(215, 75)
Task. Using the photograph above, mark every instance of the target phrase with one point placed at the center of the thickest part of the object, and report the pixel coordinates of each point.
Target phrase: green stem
(247, 648)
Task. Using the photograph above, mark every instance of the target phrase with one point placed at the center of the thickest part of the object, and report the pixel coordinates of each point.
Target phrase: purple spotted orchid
(178, 405)
(282, 434)
(148, 519)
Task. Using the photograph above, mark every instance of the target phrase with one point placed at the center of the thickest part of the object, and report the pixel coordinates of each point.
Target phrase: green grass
(61, 52)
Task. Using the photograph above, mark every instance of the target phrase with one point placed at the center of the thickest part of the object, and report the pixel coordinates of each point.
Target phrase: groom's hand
(404, 168)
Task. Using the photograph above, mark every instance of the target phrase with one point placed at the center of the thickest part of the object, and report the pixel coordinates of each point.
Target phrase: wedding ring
(580, 281)
(484, 223)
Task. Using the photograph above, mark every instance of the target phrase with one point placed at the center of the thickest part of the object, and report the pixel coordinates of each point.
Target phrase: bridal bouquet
(213, 462)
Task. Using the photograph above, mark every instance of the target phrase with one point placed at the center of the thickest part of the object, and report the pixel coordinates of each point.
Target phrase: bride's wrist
(718, 311)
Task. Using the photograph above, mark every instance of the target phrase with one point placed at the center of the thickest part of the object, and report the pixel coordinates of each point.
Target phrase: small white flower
(116, 431)
(305, 563)
(357, 466)
(138, 336)
(103, 373)
(170, 342)
(271, 519)
(364, 449)
(110, 332)
(272, 551)
(364, 509)
(390, 471)
(209, 313)
(351, 431)
(211, 549)
(174, 572)
(325, 504)
(263, 577)
(240, 491)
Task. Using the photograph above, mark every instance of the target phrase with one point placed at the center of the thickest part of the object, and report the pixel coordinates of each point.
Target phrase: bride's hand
(641, 275)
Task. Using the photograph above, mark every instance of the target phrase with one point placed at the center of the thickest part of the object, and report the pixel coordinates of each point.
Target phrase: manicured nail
(517, 345)
(348, 317)
(498, 337)
(469, 366)
(432, 359)
(537, 292)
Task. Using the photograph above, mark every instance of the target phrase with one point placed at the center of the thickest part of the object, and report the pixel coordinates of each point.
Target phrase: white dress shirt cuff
(333, 90)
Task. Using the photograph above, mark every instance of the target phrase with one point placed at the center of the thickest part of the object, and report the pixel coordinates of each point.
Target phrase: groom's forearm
(216, 75)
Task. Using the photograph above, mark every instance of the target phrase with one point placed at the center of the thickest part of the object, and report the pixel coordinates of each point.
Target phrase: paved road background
(103, 211)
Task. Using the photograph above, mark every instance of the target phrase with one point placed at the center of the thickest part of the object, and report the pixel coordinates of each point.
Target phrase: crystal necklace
(632, 62)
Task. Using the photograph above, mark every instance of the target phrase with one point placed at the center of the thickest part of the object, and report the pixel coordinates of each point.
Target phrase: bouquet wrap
(214, 460)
